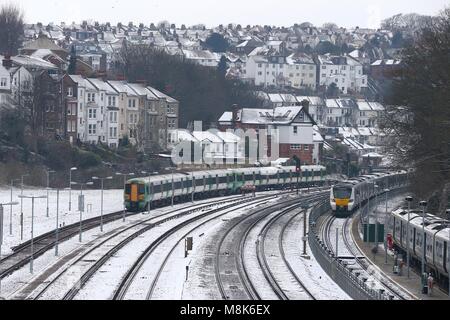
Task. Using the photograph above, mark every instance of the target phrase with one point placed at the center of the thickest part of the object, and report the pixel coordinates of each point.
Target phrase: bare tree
(11, 29)
(420, 129)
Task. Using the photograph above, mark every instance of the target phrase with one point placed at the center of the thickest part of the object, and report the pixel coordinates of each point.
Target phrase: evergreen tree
(11, 29)
(73, 61)
(222, 67)
(217, 43)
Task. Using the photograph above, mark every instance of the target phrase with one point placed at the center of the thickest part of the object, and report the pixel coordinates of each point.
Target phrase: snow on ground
(104, 283)
(113, 201)
(310, 272)
(255, 273)
(201, 284)
(22, 276)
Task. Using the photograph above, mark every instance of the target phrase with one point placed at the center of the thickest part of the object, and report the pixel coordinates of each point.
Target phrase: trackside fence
(349, 280)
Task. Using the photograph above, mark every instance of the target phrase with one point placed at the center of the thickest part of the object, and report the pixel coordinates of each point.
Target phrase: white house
(109, 112)
(344, 71)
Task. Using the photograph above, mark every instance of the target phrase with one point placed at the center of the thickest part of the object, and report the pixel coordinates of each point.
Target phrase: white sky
(346, 13)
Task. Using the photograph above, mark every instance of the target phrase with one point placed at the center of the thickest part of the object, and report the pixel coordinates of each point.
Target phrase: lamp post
(48, 187)
(1, 231)
(376, 217)
(125, 177)
(57, 223)
(81, 205)
(70, 187)
(193, 187)
(173, 183)
(408, 199)
(101, 212)
(32, 226)
(385, 226)
(423, 204)
(10, 206)
(21, 205)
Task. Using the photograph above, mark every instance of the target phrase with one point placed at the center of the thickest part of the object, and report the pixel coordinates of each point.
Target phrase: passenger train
(141, 192)
(347, 196)
(437, 250)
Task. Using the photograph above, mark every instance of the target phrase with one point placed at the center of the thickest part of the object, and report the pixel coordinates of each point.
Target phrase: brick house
(294, 123)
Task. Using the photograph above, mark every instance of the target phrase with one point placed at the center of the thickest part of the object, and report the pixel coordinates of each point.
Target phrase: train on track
(142, 192)
(437, 245)
(349, 195)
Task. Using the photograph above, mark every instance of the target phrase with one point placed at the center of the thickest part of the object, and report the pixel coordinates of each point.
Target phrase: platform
(411, 285)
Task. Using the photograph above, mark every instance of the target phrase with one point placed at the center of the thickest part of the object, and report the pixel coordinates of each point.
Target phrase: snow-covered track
(22, 253)
(231, 272)
(353, 256)
(122, 237)
(130, 276)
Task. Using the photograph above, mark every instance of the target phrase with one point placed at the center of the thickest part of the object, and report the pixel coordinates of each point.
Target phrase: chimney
(7, 62)
(235, 110)
(305, 105)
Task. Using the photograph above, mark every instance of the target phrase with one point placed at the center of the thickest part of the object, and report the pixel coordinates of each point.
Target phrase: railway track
(130, 276)
(231, 256)
(135, 230)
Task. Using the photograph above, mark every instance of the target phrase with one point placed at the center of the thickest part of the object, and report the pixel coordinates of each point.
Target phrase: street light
(376, 217)
(125, 177)
(81, 205)
(32, 225)
(423, 204)
(386, 225)
(101, 214)
(173, 183)
(10, 206)
(48, 187)
(408, 199)
(70, 187)
(149, 205)
(1, 231)
(21, 205)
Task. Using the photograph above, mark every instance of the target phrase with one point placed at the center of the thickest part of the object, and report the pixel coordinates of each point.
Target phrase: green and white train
(157, 190)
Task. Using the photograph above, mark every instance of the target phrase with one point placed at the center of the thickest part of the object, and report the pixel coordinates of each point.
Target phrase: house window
(70, 92)
(295, 130)
(92, 129)
(3, 82)
(259, 65)
(306, 148)
(296, 147)
(324, 67)
(259, 73)
(92, 114)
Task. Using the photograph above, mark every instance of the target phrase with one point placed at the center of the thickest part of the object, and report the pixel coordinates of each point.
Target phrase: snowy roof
(34, 62)
(82, 82)
(43, 42)
(183, 135)
(279, 115)
(161, 95)
(372, 155)
(141, 90)
(226, 117)
(121, 86)
(201, 54)
(206, 136)
(103, 86)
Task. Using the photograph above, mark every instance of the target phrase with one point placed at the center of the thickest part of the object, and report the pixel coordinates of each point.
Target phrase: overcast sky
(346, 13)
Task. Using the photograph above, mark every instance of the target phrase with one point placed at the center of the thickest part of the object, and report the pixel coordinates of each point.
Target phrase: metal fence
(349, 280)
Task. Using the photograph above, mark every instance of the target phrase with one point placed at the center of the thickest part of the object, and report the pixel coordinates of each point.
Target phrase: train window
(188, 184)
(177, 185)
(198, 182)
(342, 192)
(142, 189)
(249, 177)
(128, 188)
(222, 180)
(157, 189)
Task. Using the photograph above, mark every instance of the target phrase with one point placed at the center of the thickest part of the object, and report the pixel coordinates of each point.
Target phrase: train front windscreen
(342, 192)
